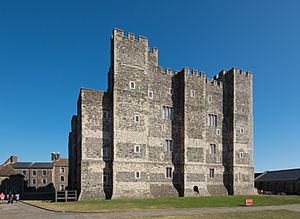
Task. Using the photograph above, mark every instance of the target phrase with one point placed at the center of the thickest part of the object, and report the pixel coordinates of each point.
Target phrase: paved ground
(24, 211)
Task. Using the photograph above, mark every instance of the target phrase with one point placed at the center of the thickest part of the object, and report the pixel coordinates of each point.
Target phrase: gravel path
(24, 211)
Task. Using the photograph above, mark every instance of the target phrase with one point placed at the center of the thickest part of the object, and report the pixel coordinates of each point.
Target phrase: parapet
(242, 72)
(130, 36)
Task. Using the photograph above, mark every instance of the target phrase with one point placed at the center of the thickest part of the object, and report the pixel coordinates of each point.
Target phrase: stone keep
(158, 132)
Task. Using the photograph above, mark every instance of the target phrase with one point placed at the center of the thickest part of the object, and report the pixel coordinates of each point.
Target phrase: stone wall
(138, 92)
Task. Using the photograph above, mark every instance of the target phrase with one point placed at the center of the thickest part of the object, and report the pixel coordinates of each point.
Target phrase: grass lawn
(164, 203)
(276, 214)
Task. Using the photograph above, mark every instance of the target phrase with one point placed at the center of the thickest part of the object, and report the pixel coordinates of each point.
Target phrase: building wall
(192, 98)
(38, 185)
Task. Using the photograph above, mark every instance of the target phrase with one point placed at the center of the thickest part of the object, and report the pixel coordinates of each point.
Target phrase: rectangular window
(167, 112)
(170, 91)
(24, 172)
(218, 131)
(169, 172)
(44, 181)
(61, 170)
(34, 181)
(169, 145)
(209, 98)
(137, 175)
(34, 173)
(212, 149)
(131, 84)
(44, 172)
(242, 130)
(211, 173)
(62, 178)
(212, 120)
(193, 93)
(241, 155)
(137, 148)
(136, 119)
(150, 94)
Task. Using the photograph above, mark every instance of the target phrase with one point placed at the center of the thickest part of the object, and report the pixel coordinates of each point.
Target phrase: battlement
(214, 82)
(130, 36)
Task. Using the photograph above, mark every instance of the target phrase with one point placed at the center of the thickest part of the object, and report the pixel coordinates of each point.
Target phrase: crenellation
(130, 36)
(159, 132)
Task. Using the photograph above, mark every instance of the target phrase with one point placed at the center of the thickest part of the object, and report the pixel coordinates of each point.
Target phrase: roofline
(261, 175)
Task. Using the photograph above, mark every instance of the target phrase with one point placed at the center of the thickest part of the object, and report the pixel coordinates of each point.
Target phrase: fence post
(66, 195)
(55, 196)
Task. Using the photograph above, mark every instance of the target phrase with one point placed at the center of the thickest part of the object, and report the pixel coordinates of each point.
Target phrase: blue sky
(49, 49)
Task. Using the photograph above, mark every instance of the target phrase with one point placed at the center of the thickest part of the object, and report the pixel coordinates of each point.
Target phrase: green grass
(276, 214)
(165, 203)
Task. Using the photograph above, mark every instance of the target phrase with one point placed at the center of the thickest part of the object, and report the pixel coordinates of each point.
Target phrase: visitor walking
(2, 197)
(17, 197)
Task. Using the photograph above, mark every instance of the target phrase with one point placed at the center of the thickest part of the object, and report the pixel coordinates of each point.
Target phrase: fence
(67, 195)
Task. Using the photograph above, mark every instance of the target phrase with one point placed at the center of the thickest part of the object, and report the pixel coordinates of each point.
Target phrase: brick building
(41, 176)
(158, 132)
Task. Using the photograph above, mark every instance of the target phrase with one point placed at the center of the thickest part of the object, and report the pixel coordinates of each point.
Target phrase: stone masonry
(158, 132)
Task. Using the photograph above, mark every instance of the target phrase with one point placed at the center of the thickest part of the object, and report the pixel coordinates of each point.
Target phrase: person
(17, 197)
(2, 196)
(10, 198)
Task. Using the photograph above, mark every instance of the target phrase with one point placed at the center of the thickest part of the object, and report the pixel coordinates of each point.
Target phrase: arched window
(62, 178)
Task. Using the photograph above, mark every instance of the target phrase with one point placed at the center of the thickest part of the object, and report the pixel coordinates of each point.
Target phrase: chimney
(13, 159)
(53, 156)
(57, 156)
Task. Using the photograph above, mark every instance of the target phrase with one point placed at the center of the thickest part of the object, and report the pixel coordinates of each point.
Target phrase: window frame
(132, 83)
(212, 149)
(135, 149)
(169, 172)
(137, 174)
(169, 145)
(193, 93)
(212, 120)
(62, 178)
(150, 94)
(167, 113)
(211, 173)
(135, 118)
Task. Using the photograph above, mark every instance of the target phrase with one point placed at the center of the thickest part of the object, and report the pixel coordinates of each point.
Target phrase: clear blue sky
(49, 49)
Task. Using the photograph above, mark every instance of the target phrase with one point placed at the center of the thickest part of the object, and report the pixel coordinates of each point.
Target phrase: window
(167, 112)
(104, 152)
(169, 145)
(170, 91)
(163, 128)
(105, 178)
(137, 175)
(136, 119)
(218, 131)
(34, 173)
(62, 187)
(193, 93)
(105, 115)
(242, 130)
(150, 94)
(62, 178)
(137, 149)
(131, 84)
(211, 173)
(44, 172)
(212, 120)
(241, 155)
(169, 172)
(212, 149)
(24, 172)
(44, 181)
(61, 170)
(209, 98)
(34, 181)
